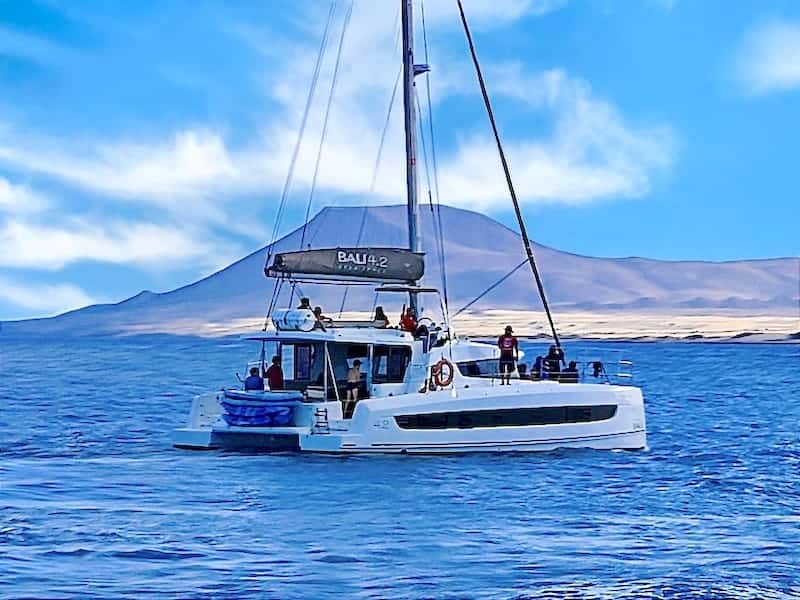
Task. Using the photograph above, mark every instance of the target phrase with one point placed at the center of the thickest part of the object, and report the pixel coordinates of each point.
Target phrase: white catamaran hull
(528, 416)
(420, 388)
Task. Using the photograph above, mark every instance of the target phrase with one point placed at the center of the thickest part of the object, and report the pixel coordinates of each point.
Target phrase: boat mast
(523, 233)
(409, 72)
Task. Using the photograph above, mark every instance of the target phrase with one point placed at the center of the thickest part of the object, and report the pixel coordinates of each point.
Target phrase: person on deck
(305, 304)
(552, 363)
(254, 383)
(570, 374)
(408, 320)
(509, 354)
(353, 381)
(380, 319)
(275, 374)
(536, 369)
(321, 320)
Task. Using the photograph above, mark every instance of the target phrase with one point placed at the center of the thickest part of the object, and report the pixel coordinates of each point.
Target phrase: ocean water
(95, 503)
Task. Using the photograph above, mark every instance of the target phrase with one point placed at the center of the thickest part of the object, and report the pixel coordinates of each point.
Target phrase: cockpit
(320, 369)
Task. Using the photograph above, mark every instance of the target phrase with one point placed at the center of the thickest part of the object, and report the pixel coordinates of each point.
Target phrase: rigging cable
(324, 214)
(490, 288)
(437, 231)
(276, 291)
(293, 161)
(438, 215)
(304, 121)
(374, 182)
(334, 80)
(323, 135)
(520, 221)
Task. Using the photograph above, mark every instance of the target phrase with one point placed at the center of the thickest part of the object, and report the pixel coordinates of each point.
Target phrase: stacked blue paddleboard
(259, 409)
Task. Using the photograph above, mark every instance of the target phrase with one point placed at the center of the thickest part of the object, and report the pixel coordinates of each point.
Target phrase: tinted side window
(302, 362)
(389, 363)
(479, 368)
(507, 417)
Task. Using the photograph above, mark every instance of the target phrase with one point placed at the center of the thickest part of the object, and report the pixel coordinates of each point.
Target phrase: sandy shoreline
(719, 326)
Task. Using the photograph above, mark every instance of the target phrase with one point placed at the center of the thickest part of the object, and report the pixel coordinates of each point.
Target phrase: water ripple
(94, 503)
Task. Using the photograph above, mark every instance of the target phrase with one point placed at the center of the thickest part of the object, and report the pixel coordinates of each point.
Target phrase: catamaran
(417, 390)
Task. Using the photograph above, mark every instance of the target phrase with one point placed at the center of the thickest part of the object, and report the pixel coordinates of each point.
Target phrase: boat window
(479, 368)
(389, 363)
(343, 355)
(301, 362)
(507, 417)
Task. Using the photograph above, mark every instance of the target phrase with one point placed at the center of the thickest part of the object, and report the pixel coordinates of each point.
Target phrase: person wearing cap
(509, 354)
(305, 304)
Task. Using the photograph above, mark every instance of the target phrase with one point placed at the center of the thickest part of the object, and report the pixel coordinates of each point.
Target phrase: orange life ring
(443, 372)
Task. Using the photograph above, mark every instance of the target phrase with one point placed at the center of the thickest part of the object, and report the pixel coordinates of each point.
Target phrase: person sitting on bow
(570, 374)
(536, 369)
(552, 363)
(321, 320)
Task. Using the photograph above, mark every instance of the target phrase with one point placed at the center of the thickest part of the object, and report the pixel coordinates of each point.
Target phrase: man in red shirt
(274, 375)
(509, 355)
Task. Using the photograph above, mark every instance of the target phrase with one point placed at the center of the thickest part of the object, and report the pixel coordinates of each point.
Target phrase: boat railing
(607, 363)
(593, 365)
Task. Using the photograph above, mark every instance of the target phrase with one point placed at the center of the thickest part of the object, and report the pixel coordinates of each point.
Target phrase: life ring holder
(443, 372)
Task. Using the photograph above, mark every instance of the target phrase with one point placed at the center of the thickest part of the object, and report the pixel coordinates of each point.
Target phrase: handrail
(586, 369)
(329, 362)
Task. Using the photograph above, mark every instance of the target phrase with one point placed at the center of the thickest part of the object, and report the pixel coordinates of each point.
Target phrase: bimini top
(350, 264)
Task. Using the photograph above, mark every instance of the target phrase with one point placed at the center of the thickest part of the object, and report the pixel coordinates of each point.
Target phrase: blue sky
(145, 144)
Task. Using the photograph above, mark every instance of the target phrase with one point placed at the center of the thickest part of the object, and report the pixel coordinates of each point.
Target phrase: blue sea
(95, 503)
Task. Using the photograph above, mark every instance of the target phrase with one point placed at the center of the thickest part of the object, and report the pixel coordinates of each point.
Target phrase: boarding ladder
(321, 424)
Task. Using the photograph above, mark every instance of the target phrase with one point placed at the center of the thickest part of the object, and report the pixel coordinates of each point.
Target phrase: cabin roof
(356, 335)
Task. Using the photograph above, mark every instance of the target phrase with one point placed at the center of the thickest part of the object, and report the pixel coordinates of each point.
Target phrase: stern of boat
(241, 420)
(197, 433)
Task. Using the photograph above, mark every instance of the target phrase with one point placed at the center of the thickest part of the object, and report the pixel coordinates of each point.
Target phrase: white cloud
(19, 198)
(199, 166)
(591, 153)
(146, 245)
(769, 59)
(190, 162)
(43, 299)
